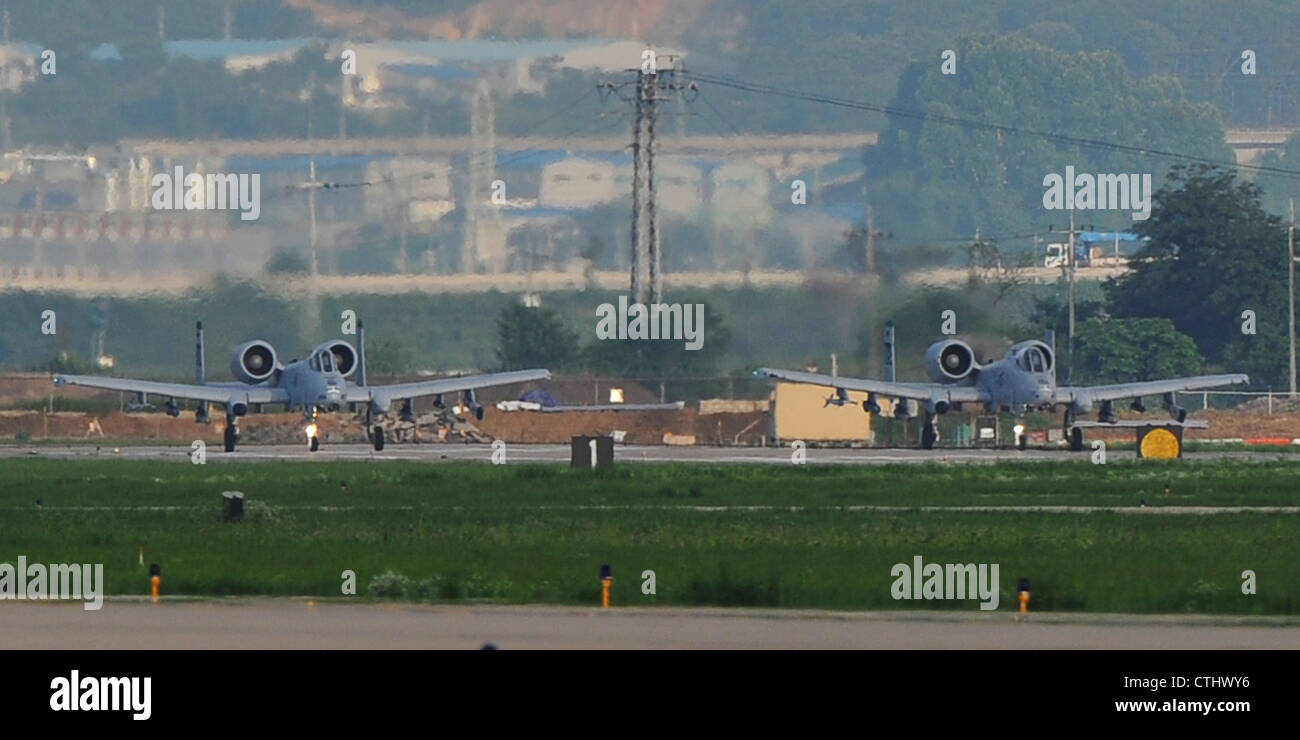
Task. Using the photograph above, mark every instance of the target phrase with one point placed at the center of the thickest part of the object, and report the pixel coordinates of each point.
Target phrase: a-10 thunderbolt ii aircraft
(1024, 379)
(318, 383)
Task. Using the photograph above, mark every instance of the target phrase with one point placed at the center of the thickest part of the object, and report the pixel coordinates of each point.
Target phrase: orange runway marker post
(155, 580)
(606, 578)
(1023, 588)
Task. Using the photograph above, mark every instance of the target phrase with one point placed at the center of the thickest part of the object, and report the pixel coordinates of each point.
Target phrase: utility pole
(869, 259)
(483, 237)
(1070, 280)
(1069, 267)
(311, 316)
(1290, 293)
(871, 279)
(38, 225)
(313, 186)
(656, 82)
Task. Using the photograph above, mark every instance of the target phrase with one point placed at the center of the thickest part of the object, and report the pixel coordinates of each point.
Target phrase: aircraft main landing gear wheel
(231, 436)
(929, 435)
(378, 436)
(313, 443)
(1076, 439)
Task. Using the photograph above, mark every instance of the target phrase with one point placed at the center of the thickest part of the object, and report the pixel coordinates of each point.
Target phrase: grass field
(713, 534)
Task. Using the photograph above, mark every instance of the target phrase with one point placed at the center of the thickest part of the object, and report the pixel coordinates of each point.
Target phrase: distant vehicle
(1024, 379)
(318, 383)
(1084, 256)
(1091, 249)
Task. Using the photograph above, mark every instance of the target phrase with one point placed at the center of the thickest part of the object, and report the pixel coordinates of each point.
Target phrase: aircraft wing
(226, 393)
(399, 391)
(1147, 388)
(917, 391)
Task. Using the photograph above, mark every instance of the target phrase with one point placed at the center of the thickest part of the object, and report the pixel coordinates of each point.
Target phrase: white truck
(1085, 255)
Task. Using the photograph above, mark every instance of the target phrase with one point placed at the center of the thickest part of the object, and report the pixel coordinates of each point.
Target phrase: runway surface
(529, 453)
(294, 624)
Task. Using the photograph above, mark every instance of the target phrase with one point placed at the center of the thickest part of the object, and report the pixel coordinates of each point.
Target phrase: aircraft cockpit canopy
(322, 361)
(1032, 360)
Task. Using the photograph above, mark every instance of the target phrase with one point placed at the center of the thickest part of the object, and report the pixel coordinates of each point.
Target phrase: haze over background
(847, 97)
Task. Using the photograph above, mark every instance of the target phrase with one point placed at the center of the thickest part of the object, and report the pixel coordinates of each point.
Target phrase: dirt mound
(1224, 424)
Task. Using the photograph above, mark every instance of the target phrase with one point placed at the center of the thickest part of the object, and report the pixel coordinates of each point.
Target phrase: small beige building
(800, 411)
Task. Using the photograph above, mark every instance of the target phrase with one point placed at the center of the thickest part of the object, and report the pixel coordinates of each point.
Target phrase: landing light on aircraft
(311, 430)
(1019, 429)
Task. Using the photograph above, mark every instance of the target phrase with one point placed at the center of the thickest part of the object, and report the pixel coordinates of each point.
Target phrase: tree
(591, 251)
(661, 358)
(1000, 273)
(1128, 350)
(533, 337)
(965, 177)
(387, 357)
(1279, 189)
(1213, 254)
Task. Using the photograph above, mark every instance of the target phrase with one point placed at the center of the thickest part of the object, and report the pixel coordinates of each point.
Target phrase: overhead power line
(969, 123)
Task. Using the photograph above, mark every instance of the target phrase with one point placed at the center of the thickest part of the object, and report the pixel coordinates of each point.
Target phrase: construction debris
(438, 426)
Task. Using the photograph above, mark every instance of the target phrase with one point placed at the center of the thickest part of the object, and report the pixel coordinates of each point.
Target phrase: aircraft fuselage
(309, 388)
(1010, 386)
